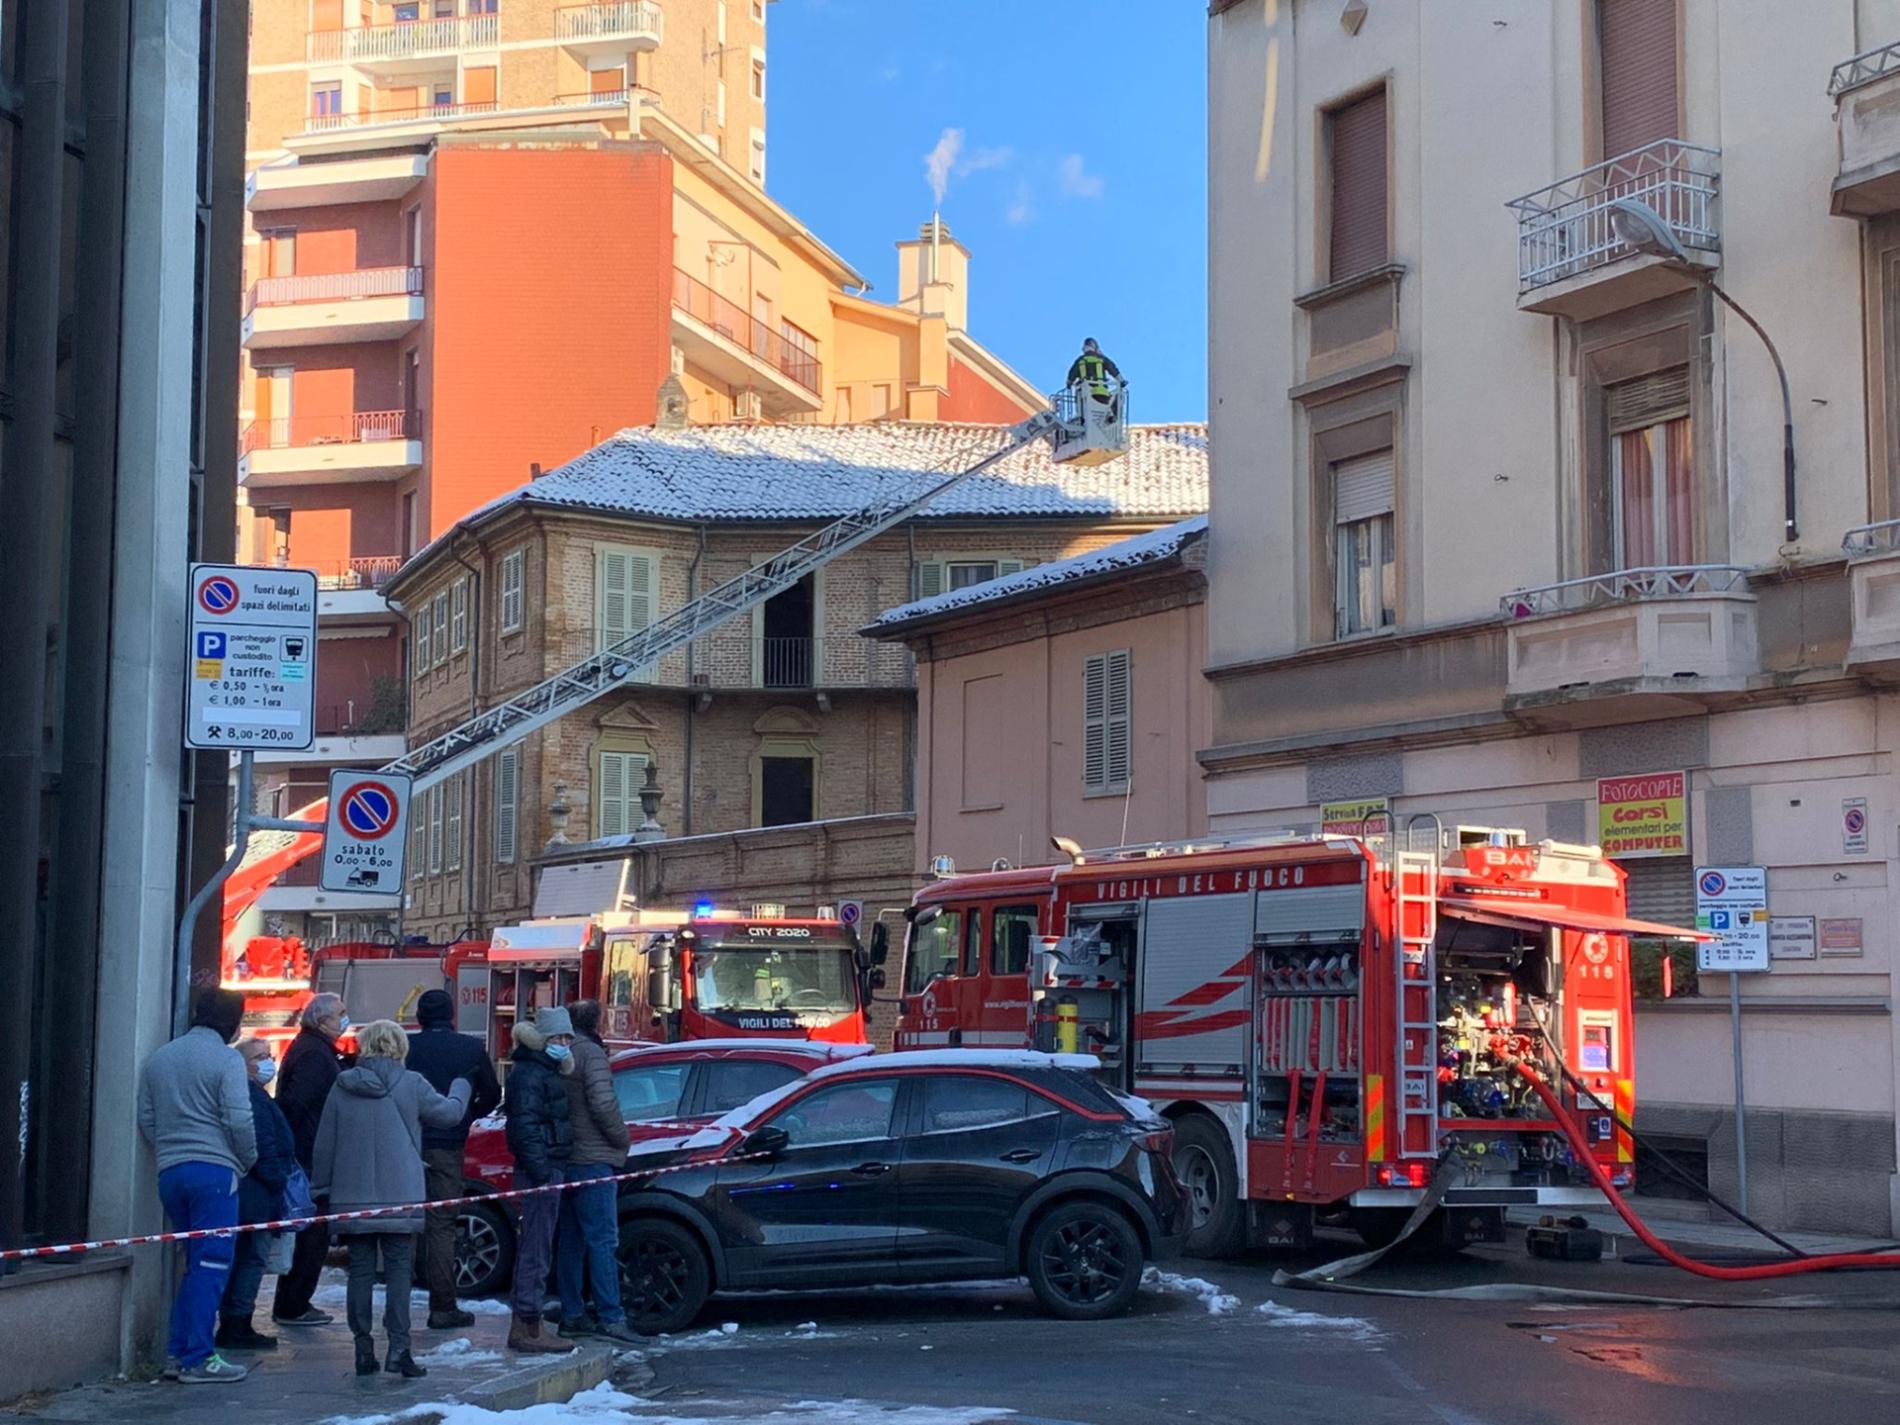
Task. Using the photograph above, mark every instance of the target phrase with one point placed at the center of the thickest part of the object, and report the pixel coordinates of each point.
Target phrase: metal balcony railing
(617, 98)
(292, 432)
(786, 662)
(1863, 68)
(739, 326)
(624, 19)
(366, 118)
(407, 39)
(1868, 540)
(1564, 230)
(336, 286)
(1624, 586)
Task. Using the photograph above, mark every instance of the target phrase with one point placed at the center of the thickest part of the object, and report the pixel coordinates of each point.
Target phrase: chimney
(671, 414)
(933, 275)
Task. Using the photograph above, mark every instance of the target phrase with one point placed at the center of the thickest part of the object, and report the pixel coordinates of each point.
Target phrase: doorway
(786, 642)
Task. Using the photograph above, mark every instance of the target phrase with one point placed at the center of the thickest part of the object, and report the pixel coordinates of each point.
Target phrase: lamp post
(1641, 227)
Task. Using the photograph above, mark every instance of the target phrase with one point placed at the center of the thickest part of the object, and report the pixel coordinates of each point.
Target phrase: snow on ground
(1217, 1302)
(333, 1294)
(603, 1405)
(1354, 1328)
(459, 1352)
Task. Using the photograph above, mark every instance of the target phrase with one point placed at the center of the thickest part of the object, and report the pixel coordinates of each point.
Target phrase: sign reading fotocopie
(1643, 816)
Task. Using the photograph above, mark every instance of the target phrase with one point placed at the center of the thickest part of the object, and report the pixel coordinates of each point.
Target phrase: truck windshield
(812, 977)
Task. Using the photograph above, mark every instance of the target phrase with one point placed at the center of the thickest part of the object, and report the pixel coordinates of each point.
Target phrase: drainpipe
(474, 606)
(692, 692)
(408, 676)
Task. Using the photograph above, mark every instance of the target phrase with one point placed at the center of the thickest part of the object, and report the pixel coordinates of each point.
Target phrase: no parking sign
(364, 835)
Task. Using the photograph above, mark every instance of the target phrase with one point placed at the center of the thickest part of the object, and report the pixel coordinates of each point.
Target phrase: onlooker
(590, 1230)
(310, 1069)
(369, 1154)
(260, 1199)
(196, 1114)
(442, 1056)
(541, 1139)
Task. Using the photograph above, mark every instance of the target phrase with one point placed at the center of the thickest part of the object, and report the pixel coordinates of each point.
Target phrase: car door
(979, 1145)
(823, 1209)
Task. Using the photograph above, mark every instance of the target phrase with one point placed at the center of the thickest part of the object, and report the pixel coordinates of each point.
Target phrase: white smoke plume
(941, 160)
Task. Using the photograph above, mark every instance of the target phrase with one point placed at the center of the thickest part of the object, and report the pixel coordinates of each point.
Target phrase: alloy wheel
(654, 1278)
(477, 1251)
(1084, 1262)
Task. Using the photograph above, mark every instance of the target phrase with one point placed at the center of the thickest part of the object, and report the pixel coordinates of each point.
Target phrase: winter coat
(442, 1056)
(593, 1111)
(540, 1135)
(261, 1191)
(369, 1142)
(303, 1087)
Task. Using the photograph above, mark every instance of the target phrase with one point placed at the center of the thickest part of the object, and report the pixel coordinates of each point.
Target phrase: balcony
(1570, 261)
(1633, 643)
(786, 662)
(371, 304)
(1866, 95)
(609, 29)
(721, 338)
(1873, 578)
(329, 450)
(363, 571)
(281, 186)
(394, 48)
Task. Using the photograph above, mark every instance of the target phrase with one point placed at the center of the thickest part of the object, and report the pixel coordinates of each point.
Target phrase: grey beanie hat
(553, 1020)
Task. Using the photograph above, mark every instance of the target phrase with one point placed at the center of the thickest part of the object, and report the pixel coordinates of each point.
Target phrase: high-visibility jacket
(1093, 370)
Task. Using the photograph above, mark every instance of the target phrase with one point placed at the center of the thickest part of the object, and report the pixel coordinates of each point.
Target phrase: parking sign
(1731, 903)
(253, 658)
(364, 835)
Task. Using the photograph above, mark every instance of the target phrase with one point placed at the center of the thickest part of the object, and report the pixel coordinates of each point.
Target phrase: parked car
(660, 1087)
(933, 1166)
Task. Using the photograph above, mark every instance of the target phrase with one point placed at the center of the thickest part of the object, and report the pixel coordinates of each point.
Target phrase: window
(418, 837)
(409, 523)
(847, 1112)
(279, 537)
(623, 601)
(652, 1091)
(326, 99)
(955, 1103)
(452, 823)
(507, 804)
(757, 167)
(932, 951)
(621, 774)
(731, 1082)
(787, 790)
(406, 11)
(435, 830)
(973, 944)
(935, 576)
(758, 79)
(1355, 135)
(439, 616)
(1012, 933)
(512, 568)
(1652, 471)
(758, 12)
(413, 234)
(423, 642)
(458, 616)
(1636, 73)
(1107, 694)
(445, 9)
(1365, 562)
(798, 339)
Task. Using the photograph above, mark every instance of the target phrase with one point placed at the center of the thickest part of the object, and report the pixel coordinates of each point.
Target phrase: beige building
(784, 718)
(1499, 528)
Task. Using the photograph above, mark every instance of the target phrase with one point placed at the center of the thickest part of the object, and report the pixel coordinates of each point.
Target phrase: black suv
(949, 1165)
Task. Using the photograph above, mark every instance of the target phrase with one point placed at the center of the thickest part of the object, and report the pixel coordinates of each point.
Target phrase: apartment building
(784, 719)
(1501, 528)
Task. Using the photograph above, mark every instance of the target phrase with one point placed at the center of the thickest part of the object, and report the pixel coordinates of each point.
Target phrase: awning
(1541, 915)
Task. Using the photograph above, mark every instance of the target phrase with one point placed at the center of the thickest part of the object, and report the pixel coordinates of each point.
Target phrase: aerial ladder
(1080, 431)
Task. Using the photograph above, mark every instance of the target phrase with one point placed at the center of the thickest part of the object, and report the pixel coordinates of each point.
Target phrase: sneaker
(618, 1331)
(213, 1370)
(309, 1316)
(450, 1320)
(582, 1325)
(242, 1336)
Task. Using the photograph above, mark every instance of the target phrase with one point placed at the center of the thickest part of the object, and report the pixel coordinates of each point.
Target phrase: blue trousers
(590, 1231)
(199, 1195)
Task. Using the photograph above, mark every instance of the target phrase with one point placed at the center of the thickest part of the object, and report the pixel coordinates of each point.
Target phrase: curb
(552, 1383)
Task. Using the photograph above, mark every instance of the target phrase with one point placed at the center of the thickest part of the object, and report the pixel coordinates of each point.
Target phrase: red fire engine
(1325, 1020)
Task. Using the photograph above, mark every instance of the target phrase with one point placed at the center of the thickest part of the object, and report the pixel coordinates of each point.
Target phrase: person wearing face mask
(310, 1068)
(541, 1138)
(260, 1199)
(196, 1113)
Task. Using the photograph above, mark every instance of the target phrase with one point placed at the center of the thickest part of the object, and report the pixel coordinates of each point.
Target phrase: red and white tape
(291, 1224)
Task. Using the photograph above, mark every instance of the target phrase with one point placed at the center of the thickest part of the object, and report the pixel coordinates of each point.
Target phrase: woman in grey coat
(369, 1154)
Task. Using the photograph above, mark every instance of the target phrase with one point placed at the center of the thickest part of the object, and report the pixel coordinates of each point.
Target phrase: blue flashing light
(703, 908)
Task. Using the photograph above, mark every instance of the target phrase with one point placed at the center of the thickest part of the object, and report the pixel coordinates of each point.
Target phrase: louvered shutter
(420, 644)
(435, 830)
(1636, 49)
(930, 578)
(1119, 713)
(1359, 186)
(452, 824)
(1008, 566)
(440, 638)
(511, 577)
(1649, 400)
(626, 595)
(1662, 889)
(507, 802)
(1362, 487)
(458, 616)
(613, 794)
(1095, 722)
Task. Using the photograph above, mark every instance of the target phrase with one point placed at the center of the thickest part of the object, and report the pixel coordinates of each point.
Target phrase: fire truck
(1330, 1022)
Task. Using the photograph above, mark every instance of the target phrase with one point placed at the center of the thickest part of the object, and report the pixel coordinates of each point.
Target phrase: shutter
(511, 573)
(610, 619)
(421, 641)
(1359, 186)
(613, 794)
(507, 799)
(1636, 57)
(1362, 487)
(1649, 400)
(1120, 708)
(441, 635)
(639, 592)
(1662, 889)
(930, 578)
(453, 822)
(1008, 566)
(458, 616)
(435, 829)
(1095, 722)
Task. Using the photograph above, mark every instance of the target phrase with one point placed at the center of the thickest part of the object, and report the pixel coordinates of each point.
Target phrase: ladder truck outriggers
(1331, 1022)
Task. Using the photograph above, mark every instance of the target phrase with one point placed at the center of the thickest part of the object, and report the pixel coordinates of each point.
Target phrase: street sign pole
(1741, 1102)
(1732, 905)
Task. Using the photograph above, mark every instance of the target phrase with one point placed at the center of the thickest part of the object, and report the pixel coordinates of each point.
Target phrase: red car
(660, 1087)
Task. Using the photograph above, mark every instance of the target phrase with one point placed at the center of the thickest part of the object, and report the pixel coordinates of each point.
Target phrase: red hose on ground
(1662, 1249)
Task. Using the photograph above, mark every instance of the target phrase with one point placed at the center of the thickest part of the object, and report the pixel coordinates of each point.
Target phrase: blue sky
(1080, 186)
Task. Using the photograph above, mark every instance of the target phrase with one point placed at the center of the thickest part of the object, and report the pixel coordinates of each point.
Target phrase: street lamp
(1641, 227)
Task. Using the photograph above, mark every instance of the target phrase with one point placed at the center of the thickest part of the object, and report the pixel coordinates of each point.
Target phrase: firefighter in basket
(1096, 382)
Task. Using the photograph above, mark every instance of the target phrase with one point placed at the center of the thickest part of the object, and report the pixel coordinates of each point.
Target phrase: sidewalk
(311, 1375)
(1723, 1235)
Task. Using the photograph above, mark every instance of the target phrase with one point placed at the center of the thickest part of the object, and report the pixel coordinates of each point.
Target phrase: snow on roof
(1152, 548)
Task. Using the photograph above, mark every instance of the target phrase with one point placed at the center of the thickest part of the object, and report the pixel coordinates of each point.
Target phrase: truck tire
(1204, 1161)
(1379, 1228)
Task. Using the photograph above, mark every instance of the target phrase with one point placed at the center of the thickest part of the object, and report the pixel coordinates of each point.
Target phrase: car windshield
(811, 977)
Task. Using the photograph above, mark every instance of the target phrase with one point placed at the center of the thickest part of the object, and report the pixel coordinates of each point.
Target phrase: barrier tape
(295, 1224)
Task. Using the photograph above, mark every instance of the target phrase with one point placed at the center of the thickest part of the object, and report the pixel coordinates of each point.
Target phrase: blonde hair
(251, 1041)
(382, 1039)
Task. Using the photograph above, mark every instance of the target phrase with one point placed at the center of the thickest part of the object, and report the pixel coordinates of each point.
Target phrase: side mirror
(877, 977)
(920, 918)
(768, 1141)
(880, 943)
(660, 976)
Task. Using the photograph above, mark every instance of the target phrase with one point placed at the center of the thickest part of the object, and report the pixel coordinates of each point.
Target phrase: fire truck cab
(1330, 1022)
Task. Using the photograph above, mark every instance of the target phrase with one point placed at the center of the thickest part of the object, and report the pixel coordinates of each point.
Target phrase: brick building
(787, 717)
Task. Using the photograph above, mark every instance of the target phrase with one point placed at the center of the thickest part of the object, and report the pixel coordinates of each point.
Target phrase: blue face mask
(266, 1070)
(558, 1052)
(343, 1024)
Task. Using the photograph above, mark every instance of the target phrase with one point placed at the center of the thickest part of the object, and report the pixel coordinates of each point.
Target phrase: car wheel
(665, 1277)
(484, 1250)
(1084, 1262)
(1204, 1162)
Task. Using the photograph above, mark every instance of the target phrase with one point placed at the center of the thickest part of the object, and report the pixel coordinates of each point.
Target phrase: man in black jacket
(310, 1068)
(442, 1056)
(542, 1140)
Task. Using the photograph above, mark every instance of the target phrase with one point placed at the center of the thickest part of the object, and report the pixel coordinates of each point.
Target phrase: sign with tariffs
(253, 659)
(1731, 903)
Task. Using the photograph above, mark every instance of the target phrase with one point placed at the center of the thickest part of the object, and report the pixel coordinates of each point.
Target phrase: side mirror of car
(766, 1141)
(880, 943)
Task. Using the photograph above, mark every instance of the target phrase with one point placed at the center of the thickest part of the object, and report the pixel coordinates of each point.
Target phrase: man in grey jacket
(589, 1232)
(195, 1111)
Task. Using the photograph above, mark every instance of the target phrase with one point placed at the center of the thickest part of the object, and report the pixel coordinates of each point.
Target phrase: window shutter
(1648, 400)
(930, 578)
(421, 642)
(440, 646)
(453, 824)
(626, 595)
(1362, 487)
(1359, 186)
(613, 794)
(1662, 889)
(1008, 566)
(458, 616)
(1095, 722)
(1119, 717)
(507, 800)
(1636, 50)
(639, 592)
(511, 575)
(435, 830)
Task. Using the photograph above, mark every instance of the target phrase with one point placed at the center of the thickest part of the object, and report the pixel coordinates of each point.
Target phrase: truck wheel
(1084, 1262)
(1379, 1228)
(1204, 1162)
(484, 1250)
(664, 1275)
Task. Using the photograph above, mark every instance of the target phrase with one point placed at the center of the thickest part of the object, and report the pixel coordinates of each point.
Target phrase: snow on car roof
(816, 1048)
